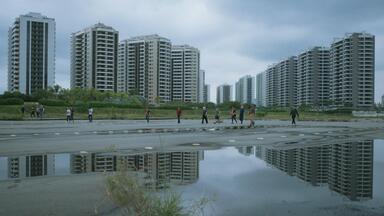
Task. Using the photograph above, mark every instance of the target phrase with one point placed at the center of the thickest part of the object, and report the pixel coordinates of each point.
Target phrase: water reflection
(157, 169)
(346, 168)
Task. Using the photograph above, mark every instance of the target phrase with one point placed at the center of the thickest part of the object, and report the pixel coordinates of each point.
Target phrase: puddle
(295, 179)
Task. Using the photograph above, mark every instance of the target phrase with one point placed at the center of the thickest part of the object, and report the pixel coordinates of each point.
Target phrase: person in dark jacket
(233, 115)
(241, 114)
(293, 115)
(147, 115)
(178, 114)
(204, 116)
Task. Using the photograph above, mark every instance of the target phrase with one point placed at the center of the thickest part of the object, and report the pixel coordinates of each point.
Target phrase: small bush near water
(133, 198)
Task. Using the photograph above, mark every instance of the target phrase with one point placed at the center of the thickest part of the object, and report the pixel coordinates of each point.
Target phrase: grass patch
(133, 198)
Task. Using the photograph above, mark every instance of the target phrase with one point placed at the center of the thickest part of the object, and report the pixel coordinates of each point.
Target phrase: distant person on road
(233, 114)
(217, 116)
(204, 116)
(178, 114)
(38, 111)
(241, 115)
(147, 115)
(68, 113)
(41, 111)
(90, 114)
(33, 112)
(293, 115)
(252, 114)
(22, 109)
(72, 114)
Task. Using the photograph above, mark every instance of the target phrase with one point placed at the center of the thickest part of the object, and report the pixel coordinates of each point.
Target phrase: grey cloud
(253, 33)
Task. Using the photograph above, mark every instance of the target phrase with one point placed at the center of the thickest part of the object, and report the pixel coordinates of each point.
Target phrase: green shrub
(52, 102)
(11, 101)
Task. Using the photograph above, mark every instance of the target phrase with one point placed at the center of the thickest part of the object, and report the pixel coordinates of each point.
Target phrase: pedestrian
(233, 115)
(178, 114)
(22, 109)
(241, 115)
(293, 115)
(147, 115)
(252, 114)
(68, 113)
(41, 111)
(217, 116)
(33, 112)
(37, 111)
(204, 116)
(90, 114)
(72, 114)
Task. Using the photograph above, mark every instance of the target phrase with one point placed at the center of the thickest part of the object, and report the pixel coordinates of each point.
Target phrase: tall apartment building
(31, 166)
(271, 85)
(206, 93)
(313, 77)
(31, 53)
(201, 85)
(245, 89)
(145, 67)
(223, 93)
(94, 58)
(286, 71)
(382, 100)
(185, 74)
(261, 89)
(281, 83)
(353, 71)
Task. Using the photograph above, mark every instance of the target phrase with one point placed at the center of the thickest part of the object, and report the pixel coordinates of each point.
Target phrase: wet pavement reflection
(243, 179)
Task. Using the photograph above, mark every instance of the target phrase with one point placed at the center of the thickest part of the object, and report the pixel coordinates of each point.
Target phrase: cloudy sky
(235, 37)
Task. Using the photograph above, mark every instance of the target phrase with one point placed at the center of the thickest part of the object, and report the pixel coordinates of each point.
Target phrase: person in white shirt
(90, 114)
(68, 111)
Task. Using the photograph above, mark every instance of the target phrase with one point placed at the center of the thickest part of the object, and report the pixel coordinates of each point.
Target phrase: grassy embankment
(13, 112)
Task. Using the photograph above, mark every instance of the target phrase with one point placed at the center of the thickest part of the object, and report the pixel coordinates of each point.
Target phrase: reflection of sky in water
(62, 164)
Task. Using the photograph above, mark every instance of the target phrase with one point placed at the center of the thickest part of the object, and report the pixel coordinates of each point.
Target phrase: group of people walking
(37, 111)
(233, 114)
(204, 117)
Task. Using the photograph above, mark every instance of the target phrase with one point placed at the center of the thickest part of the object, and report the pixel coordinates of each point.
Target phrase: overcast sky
(235, 37)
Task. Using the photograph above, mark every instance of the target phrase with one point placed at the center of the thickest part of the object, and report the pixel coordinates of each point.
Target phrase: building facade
(201, 85)
(313, 77)
(31, 53)
(207, 93)
(353, 71)
(245, 90)
(186, 74)
(223, 93)
(261, 89)
(94, 58)
(145, 68)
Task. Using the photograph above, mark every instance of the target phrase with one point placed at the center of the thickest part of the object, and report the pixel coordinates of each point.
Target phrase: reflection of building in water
(30, 166)
(246, 150)
(91, 162)
(312, 164)
(281, 159)
(158, 169)
(184, 167)
(351, 169)
(347, 168)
